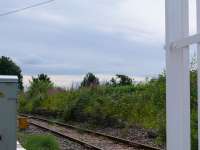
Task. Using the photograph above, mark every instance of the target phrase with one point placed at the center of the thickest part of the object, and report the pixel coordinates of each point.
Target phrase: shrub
(22, 102)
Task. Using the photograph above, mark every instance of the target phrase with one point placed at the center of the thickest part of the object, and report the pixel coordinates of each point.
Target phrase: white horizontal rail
(185, 42)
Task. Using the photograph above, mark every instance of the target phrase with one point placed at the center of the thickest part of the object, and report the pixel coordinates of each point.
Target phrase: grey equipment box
(8, 112)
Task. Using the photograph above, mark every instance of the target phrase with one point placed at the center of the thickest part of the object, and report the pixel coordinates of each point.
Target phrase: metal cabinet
(8, 112)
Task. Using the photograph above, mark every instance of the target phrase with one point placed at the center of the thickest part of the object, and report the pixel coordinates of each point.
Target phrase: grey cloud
(75, 48)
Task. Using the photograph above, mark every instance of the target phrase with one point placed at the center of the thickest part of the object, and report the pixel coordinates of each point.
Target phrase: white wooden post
(198, 68)
(178, 84)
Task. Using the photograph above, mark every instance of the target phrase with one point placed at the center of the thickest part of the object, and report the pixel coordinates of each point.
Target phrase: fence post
(177, 71)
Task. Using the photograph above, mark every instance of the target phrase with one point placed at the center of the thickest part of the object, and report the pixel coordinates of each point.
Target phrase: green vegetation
(38, 142)
(113, 104)
(8, 67)
(117, 105)
(37, 92)
(90, 80)
(121, 80)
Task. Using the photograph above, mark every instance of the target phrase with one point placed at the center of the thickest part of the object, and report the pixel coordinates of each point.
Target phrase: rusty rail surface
(117, 139)
(89, 146)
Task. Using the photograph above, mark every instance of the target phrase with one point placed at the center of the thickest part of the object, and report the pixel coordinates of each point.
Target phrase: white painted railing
(178, 79)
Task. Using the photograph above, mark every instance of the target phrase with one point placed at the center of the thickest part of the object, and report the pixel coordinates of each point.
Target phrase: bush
(22, 102)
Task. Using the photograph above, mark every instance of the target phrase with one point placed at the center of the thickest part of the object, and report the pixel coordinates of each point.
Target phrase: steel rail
(128, 142)
(89, 146)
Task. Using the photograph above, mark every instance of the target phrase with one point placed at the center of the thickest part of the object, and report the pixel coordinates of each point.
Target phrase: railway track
(85, 137)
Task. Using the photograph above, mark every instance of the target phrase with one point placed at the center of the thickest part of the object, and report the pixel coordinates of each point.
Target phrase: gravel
(133, 133)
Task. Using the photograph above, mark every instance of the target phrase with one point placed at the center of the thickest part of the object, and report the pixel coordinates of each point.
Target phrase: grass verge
(38, 142)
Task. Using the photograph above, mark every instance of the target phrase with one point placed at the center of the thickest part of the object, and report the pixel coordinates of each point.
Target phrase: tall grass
(39, 142)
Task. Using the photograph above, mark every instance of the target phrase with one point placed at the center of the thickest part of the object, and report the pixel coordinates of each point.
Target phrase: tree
(124, 80)
(39, 87)
(90, 80)
(113, 81)
(42, 77)
(8, 67)
(121, 80)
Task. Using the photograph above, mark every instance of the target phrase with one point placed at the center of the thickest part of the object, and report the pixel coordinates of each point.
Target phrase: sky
(68, 38)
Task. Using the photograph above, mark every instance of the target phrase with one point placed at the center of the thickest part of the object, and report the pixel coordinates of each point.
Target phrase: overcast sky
(72, 37)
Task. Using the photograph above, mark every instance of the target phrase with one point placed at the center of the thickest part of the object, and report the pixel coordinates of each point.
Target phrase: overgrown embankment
(113, 105)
